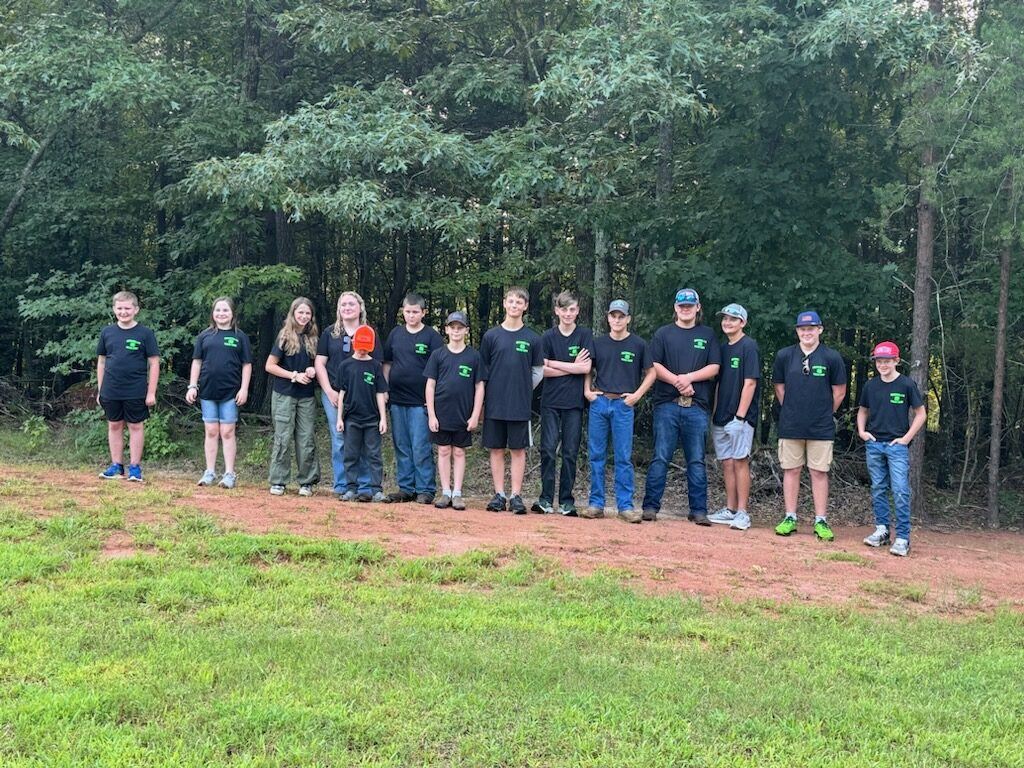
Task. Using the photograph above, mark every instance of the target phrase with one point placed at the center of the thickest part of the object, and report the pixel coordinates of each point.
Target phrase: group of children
(439, 393)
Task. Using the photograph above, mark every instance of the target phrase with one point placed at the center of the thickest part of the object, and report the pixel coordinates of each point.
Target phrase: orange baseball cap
(363, 340)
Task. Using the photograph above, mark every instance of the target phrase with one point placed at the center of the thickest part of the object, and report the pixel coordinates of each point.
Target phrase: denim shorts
(224, 412)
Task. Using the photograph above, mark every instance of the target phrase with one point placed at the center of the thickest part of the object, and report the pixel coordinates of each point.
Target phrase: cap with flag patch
(885, 350)
(807, 318)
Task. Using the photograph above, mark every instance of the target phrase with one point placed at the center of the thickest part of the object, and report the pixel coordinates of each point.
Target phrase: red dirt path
(946, 572)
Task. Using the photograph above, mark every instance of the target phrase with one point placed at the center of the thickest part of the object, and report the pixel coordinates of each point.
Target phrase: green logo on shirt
(369, 378)
(700, 343)
(573, 351)
(230, 341)
(627, 357)
(897, 398)
(421, 348)
(734, 362)
(819, 370)
(522, 346)
(465, 371)
(132, 345)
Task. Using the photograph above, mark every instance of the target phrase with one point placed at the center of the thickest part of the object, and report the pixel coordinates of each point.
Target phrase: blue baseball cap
(807, 318)
(734, 310)
(619, 305)
(687, 296)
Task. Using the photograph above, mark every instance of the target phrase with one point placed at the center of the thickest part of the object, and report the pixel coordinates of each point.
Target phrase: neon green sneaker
(787, 527)
(822, 531)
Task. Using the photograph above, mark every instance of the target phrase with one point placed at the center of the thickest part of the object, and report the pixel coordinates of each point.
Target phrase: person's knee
(227, 431)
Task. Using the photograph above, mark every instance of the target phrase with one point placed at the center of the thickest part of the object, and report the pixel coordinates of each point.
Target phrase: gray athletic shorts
(733, 441)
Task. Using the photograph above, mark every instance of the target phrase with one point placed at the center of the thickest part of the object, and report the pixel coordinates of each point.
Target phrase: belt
(614, 395)
(684, 400)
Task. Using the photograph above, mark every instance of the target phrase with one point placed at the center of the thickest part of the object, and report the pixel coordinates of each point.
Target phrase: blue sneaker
(114, 472)
(135, 473)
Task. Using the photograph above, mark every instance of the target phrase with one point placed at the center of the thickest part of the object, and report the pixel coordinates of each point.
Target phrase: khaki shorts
(816, 454)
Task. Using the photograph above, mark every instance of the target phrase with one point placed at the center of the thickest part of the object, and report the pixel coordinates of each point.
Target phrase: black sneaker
(649, 515)
(424, 498)
(497, 504)
(400, 497)
(541, 507)
(701, 520)
(516, 505)
(364, 497)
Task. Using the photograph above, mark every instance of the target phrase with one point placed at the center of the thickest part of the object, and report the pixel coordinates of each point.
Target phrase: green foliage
(255, 290)
(160, 442)
(36, 432)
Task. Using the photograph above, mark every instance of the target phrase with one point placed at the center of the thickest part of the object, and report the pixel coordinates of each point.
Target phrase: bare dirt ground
(948, 572)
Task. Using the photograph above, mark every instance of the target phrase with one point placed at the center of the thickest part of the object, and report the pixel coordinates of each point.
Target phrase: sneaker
(516, 506)
(135, 473)
(347, 496)
(424, 498)
(305, 490)
(443, 501)
(568, 510)
(701, 519)
(787, 527)
(629, 515)
(208, 478)
(228, 481)
(823, 531)
(379, 498)
(649, 515)
(497, 504)
(114, 472)
(458, 502)
(364, 497)
(879, 537)
(724, 516)
(542, 507)
(740, 521)
(400, 497)
(900, 548)
(277, 490)
(592, 513)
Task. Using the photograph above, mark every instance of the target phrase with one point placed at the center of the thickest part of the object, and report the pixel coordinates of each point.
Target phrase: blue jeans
(414, 457)
(565, 426)
(338, 452)
(889, 467)
(615, 417)
(673, 425)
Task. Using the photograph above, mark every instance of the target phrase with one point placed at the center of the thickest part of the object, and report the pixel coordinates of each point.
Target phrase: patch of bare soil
(954, 571)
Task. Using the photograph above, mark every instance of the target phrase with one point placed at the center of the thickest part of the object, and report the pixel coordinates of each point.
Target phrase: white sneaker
(723, 516)
(740, 521)
(900, 548)
(305, 490)
(879, 537)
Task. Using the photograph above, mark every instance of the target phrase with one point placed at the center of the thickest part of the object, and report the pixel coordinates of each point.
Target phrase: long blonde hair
(288, 337)
(339, 327)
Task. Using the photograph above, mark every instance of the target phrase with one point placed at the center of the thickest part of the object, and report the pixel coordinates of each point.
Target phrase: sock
(791, 515)
(446, 492)
(819, 519)
(457, 492)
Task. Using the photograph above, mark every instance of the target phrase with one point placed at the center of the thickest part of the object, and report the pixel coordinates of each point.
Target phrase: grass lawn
(211, 648)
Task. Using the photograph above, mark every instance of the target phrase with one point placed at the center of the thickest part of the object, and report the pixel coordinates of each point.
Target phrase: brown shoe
(457, 502)
(630, 516)
(591, 513)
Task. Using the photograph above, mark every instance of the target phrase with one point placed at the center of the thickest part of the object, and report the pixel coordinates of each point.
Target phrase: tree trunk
(26, 173)
(999, 379)
(601, 286)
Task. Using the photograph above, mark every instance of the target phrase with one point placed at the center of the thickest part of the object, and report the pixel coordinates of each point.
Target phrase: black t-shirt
(337, 350)
(807, 405)
(127, 352)
(408, 354)
(889, 405)
(223, 353)
(564, 391)
(619, 365)
(685, 350)
(509, 357)
(361, 381)
(740, 361)
(300, 361)
(455, 377)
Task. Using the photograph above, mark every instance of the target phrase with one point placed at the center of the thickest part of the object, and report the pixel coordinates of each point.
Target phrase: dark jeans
(563, 426)
(363, 444)
(673, 425)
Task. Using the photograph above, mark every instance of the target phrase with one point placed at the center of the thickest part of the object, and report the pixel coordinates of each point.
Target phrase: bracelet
(193, 386)
(295, 375)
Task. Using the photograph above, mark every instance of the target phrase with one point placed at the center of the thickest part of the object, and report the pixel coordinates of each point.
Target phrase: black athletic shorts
(132, 411)
(499, 433)
(460, 438)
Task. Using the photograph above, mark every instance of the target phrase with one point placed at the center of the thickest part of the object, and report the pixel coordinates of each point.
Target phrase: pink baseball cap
(885, 350)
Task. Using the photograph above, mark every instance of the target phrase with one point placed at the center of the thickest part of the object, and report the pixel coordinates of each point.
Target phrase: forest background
(858, 157)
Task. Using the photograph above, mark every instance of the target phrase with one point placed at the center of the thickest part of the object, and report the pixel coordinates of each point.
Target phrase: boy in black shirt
(455, 397)
(127, 372)
(810, 384)
(511, 353)
(566, 363)
(620, 375)
(362, 416)
(405, 356)
(884, 424)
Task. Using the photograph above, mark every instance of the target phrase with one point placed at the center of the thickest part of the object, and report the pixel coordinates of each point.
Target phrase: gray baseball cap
(734, 310)
(457, 317)
(619, 305)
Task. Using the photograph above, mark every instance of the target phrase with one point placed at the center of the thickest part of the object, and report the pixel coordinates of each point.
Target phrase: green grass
(844, 557)
(217, 648)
